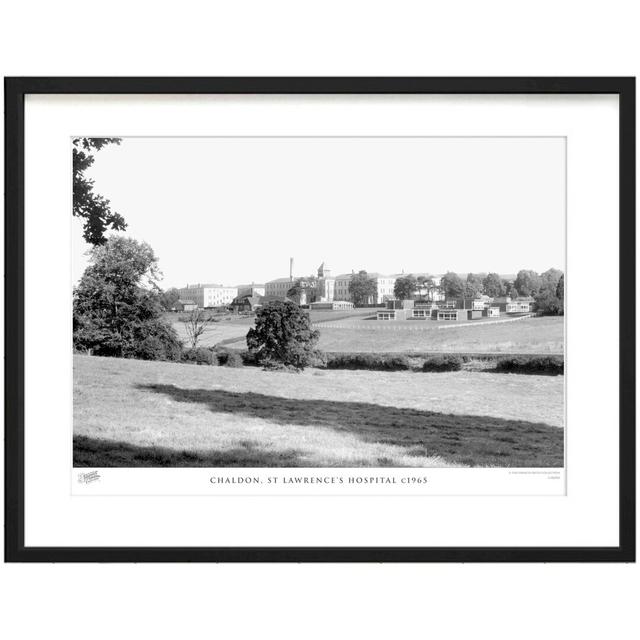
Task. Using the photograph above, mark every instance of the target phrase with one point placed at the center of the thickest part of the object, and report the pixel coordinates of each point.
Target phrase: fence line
(378, 325)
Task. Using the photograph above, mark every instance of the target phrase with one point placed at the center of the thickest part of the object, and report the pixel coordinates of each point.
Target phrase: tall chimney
(291, 269)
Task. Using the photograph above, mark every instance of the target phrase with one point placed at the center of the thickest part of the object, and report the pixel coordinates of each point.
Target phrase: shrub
(200, 355)
(283, 335)
(249, 359)
(230, 359)
(370, 361)
(536, 365)
(443, 363)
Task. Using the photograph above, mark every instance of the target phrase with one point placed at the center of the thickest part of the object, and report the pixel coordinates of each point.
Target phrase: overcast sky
(233, 210)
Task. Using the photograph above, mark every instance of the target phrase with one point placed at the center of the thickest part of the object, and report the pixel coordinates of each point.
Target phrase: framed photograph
(320, 319)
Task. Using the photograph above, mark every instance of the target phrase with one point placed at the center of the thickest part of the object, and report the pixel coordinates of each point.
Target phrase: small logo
(86, 478)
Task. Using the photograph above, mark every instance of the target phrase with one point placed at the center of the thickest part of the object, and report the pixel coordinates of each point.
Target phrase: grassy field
(134, 413)
(531, 335)
(355, 333)
(228, 327)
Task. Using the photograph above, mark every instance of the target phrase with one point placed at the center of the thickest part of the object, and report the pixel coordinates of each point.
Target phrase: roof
(251, 299)
(268, 299)
(208, 286)
(280, 280)
(370, 274)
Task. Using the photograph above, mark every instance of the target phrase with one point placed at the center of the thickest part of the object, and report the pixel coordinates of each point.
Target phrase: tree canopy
(283, 337)
(452, 285)
(474, 286)
(169, 298)
(116, 305)
(547, 302)
(493, 285)
(560, 290)
(93, 208)
(527, 282)
(363, 289)
(405, 287)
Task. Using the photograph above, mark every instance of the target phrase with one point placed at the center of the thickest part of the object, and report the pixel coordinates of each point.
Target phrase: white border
(587, 516)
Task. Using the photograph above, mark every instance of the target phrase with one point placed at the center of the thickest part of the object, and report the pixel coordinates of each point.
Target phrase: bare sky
(233, 210)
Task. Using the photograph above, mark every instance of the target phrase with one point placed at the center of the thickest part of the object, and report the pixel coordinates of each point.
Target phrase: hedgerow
(445, 362)
(370, 361)
(537, 365)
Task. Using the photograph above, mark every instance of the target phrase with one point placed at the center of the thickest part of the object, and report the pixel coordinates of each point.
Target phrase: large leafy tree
(527, 282)
(551, 277)
(116, 305)
(169, 298)
(550, 295)
(547, 302)
(474, 285)
(560, 291)
(283, 337)
(509, 288)
(493, 285)
(363, 288)
(93, 208)
(452, 285)
(405, 287)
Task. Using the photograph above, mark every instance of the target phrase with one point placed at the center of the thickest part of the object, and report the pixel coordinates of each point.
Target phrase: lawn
(543, 335)
(353, 332)
(134, 413)
(230, 327)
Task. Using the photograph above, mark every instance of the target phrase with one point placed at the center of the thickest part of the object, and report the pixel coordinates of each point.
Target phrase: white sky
(233, 210)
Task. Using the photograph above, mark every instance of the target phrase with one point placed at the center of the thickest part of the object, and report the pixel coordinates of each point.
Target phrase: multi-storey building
(208, 295)
(251, 289)
(278, 288)
(384, 284)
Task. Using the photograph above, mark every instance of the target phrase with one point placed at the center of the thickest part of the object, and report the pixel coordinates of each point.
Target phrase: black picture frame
(15, 91)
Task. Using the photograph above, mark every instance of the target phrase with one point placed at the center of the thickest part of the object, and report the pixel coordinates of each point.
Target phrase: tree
(116, 306)
(426, 285)
(527, 282)
(363, 289)
(405, 287)
(492, 285)
(547, 302)
(283, 336)
(169, 299)
(196, 324)
(551, 277)
(474, 286)
(304, 290)
(509, 289)
(93, 208)
(560, 292)
(452, 285)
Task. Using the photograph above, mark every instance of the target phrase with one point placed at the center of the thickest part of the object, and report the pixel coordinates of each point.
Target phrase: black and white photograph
(320, 302)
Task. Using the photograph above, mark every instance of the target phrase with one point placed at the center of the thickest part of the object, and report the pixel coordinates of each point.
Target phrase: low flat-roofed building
(422, 313)
(451, 314)
(400, 304)
(336, 305)
(393, 314)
